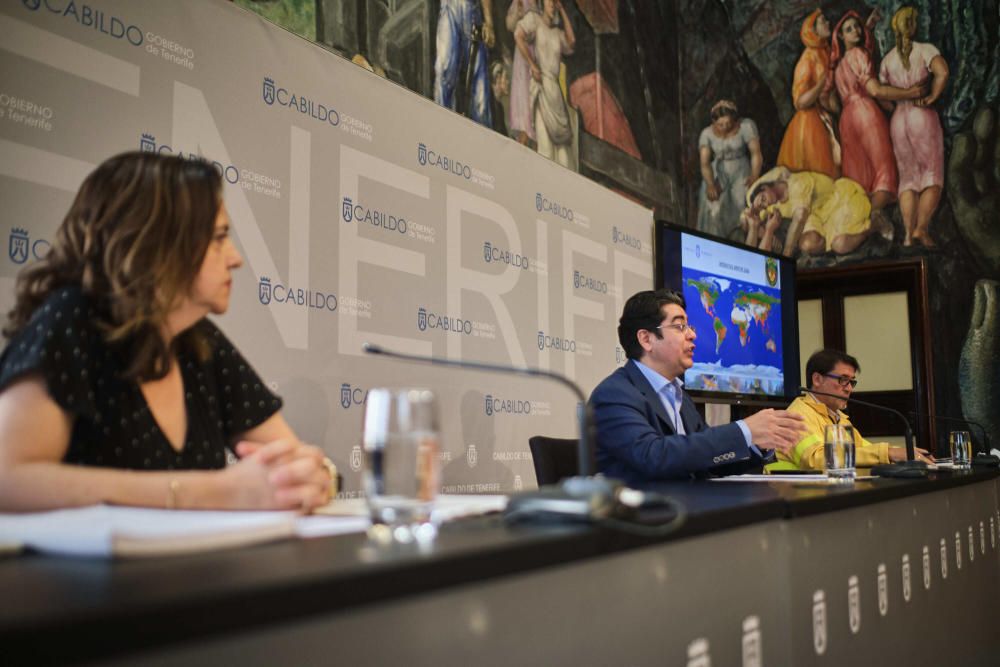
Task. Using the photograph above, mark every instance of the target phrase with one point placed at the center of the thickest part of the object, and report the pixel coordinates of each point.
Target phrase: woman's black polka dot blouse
(112, 425)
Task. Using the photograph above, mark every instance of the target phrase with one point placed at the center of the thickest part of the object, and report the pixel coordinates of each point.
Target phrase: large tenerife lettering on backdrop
(356, 250)
(404, 241)
(194, 125)
(43, 166)
(490, 285)
(578, 300)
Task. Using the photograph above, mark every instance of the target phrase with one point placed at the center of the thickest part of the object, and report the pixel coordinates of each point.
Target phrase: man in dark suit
(647, 427)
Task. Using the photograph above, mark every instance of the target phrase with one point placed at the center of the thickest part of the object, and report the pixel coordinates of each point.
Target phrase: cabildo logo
(546, 342)
(425, 157)
(497, 405)
(374, 217)
(273, 93)
(299, 297)
(544, 205)
(147, 144)
(356, 458)
(471, 457)
(430, 158)
(350, 397)
(89, 17)
(623, 238)
(427, 319)
(619, 355)
(583, 281)
(20, 246)
(491, 253)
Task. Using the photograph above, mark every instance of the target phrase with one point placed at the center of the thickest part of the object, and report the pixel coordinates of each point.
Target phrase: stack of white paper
(102, 530)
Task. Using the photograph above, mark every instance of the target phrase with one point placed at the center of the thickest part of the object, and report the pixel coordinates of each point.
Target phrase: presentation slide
(734, 303)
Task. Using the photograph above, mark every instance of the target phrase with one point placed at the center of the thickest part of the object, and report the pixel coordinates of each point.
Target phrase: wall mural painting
(849, 131)
(590, 84)
(865, 135)
(835, 132)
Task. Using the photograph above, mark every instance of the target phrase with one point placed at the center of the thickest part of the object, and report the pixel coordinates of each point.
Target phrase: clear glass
(961, 449)
(838, 453)
(402, 467)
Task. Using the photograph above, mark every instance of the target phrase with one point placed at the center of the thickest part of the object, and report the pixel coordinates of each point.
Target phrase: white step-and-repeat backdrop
(364, 213)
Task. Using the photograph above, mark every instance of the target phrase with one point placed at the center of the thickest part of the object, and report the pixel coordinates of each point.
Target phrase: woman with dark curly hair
(114, 386)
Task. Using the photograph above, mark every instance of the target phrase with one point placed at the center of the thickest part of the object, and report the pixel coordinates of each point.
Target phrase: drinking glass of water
(961, 449)
(402, 468)
(838, 450)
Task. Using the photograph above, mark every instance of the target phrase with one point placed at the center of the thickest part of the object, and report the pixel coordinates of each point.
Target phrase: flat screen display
(741, 302)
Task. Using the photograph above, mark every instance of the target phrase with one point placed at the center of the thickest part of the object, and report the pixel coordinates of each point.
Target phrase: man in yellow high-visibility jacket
(832, 372)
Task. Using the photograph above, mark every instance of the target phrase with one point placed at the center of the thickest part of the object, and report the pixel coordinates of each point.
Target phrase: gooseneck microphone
(584, 498)
(909, 468)
(585, 420)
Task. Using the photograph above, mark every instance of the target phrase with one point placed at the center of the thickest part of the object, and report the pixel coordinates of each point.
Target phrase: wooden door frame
(831, 285)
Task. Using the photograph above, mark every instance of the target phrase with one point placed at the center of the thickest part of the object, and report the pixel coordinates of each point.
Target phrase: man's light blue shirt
(671, 396)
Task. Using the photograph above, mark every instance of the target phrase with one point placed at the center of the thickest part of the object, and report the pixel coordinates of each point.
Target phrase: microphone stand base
(982, 460)
(901, 470)
(574, 500)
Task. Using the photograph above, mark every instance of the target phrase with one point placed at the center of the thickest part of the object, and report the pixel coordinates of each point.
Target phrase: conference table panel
(777, 573)
(712, 595)
(862, 586)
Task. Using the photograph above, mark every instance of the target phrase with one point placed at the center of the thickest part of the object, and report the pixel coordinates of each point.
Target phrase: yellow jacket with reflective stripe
(808, 453)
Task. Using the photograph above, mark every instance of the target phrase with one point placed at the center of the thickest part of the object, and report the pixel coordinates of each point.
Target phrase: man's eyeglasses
(677, 326)
(842, 380)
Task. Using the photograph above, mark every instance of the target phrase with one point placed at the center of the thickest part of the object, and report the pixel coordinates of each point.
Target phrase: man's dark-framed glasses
(842, 380)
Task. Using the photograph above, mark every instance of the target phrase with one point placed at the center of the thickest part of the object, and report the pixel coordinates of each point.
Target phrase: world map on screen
(739, 346)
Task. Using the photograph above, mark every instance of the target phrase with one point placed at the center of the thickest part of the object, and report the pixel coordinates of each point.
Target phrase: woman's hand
(916, 91)
(712, 189)
(283, 474)
(489, 36)
(773, 221)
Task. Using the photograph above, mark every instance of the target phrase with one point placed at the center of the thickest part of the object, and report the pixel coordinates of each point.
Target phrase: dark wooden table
(748, 556)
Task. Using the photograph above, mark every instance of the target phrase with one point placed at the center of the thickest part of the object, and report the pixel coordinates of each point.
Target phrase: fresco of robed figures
(864, 135)
(589, 84)
(849, 131)
(834, 132)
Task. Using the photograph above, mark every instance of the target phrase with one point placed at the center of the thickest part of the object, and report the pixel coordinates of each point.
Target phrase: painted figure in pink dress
(520, 125)
(916, 133)
(864, 131)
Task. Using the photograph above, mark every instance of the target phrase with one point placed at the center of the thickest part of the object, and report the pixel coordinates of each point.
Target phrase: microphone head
(371, 348)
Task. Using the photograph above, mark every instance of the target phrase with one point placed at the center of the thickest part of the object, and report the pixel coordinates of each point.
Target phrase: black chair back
(555, 459)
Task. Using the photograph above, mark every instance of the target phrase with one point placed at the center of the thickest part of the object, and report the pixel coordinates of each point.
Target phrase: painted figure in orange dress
(810, 143)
